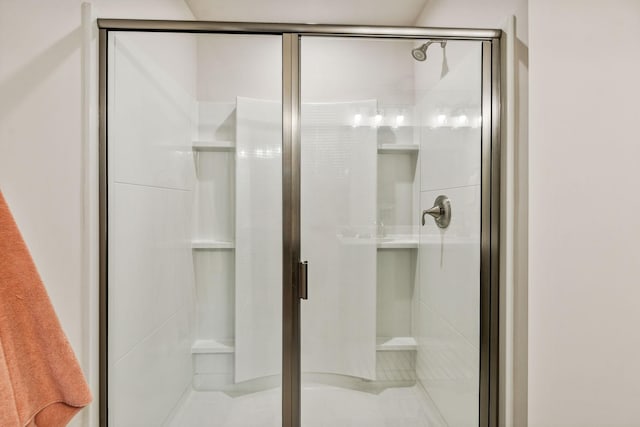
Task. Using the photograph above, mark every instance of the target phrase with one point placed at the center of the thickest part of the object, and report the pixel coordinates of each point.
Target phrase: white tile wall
(447, 308)
(450, 144)
(258, 309)
(396, 188)
(232, 65)
(216, 121)
(151, 172)
(338, 209)
(215, 287)
(396, 272)
(151, 115)
(369, 68)
(151, 273)
(447, 367)
(148, 382)
(450, 158)
(450, 261)
(214, 196)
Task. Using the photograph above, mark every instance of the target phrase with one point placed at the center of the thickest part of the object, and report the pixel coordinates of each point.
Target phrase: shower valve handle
(435, 212)
(441, 212)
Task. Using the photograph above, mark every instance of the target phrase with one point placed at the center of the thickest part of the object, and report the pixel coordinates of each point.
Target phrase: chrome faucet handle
(441, 212)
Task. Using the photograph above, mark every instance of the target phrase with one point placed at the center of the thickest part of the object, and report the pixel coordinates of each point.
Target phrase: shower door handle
(303, 276)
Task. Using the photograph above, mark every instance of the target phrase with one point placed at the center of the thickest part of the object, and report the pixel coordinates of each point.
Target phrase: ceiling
(357, 12)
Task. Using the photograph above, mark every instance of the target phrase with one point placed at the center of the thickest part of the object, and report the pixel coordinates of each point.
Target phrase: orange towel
(41, 383)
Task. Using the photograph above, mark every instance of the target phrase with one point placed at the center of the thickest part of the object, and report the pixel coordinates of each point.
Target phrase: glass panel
(391, 328)
(195, 283)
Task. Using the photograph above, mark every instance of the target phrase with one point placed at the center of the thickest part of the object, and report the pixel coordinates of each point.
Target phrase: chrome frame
(493, 251)
(489, 235)
(300, 29)
(291, 33)
(291, 377)
(103, 198)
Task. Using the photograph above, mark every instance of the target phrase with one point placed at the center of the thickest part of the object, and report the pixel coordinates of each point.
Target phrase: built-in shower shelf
(396, 343)
(212, 347)
(214, 146)
(398, 242)
(398, 148)
(212, 244)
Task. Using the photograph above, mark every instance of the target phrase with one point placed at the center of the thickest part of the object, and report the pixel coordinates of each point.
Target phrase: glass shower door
(390, 148)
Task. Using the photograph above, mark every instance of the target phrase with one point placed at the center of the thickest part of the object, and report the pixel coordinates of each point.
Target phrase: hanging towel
(41, 383)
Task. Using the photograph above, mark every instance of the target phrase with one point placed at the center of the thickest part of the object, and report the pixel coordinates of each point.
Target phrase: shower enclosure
(299, 225)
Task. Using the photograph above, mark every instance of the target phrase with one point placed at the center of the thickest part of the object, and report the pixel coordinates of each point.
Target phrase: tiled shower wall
(447, 308)
(152, 93)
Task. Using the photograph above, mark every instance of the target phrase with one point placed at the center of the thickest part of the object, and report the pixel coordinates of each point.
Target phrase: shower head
(420, 53)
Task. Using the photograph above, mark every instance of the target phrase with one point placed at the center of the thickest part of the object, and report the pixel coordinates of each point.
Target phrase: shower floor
(323, 406)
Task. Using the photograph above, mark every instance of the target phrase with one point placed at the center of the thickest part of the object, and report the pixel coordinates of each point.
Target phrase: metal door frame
(291, 33)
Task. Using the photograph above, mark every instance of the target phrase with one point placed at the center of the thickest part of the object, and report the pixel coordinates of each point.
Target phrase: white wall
(494, 14)
(41, 147)
(584, 270)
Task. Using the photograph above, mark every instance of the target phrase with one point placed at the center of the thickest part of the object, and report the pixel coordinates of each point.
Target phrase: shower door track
(490, 187)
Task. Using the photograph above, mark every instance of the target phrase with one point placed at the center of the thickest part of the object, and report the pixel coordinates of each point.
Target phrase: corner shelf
(396, 344)
(213, 347)
(214, 146)
(398, 242)
(212, 244)
(398, 148)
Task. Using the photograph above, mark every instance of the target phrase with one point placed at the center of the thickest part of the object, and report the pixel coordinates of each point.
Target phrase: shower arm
(443, 43)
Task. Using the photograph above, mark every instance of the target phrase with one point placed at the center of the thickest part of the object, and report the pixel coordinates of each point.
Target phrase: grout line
(444, 319)
(432, 404)
(152, 332)
(176, 413)
(450, 188)
(151, 186)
